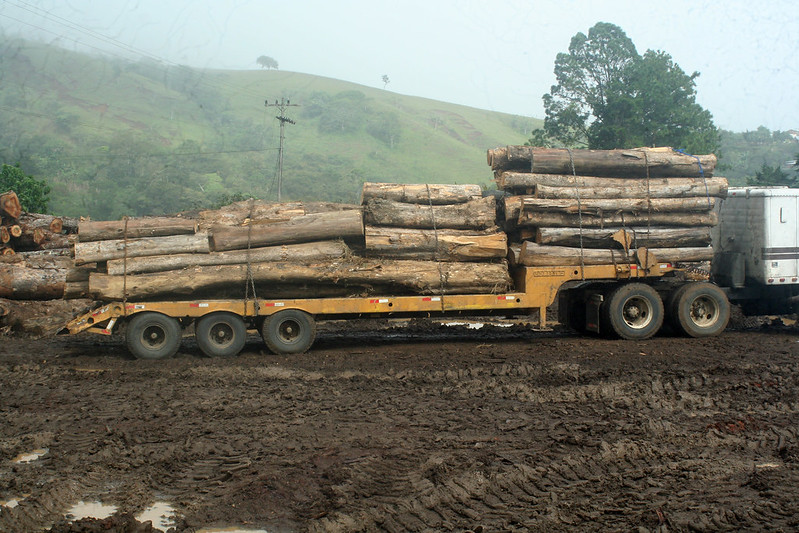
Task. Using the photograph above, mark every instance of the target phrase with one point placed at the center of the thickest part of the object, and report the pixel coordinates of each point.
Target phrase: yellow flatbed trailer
(632, 309)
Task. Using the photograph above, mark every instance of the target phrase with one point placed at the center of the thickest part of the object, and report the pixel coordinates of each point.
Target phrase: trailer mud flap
(592, 307)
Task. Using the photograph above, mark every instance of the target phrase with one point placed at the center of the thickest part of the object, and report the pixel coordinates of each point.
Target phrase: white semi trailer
(757, 249)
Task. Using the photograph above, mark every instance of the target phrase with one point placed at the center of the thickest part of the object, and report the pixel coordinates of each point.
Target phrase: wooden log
(15, 230)
(517, 207)
(306, 228)
(6, 250)
(5, 235)
(4, 308)
(30, 221)
(134, 228)
(639, 236)
(533, 254)
(589, 186)
(22, 283)
(295, 253)
(394, 277)
(441, 245)
(76, 289)
(92, 252)
(692, 187)
(598, 206)
(542, 219)
(637, 162)
(259, 212)
(475, 214)
(9, 205)
(436, 194)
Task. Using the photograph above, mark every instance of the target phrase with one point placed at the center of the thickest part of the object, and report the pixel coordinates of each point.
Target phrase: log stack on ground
(563, 206)
(32, 232)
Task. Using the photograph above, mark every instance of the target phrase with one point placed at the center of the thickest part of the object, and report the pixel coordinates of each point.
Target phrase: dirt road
(423, 429)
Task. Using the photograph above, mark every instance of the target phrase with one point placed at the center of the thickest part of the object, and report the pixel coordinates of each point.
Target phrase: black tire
(220, 334)
(289, 331)
(699, 310)
(633, 311)
(152, 335)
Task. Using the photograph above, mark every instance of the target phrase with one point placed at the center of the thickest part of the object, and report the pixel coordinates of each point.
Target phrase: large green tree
(608, 96)
(33, 194)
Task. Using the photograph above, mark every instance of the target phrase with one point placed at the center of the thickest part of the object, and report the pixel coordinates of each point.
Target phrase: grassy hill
(115, 137)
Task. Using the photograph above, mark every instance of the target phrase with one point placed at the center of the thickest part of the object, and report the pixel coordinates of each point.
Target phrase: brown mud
(417, 428)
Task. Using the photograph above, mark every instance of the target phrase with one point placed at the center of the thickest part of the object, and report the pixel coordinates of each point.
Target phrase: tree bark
(294, 253)
(260, 212)
(475, 214)
(393, 277)
(91, 252)
(21, 283)
(533, 254)
(305, 228)
(640, 236)
(9, 205)
(437, 194)
(517, 207)
(76, 289)
(639, 189)
(637, 162)
(136, 228)
(541, 219)
(442, 245)
(541, 184)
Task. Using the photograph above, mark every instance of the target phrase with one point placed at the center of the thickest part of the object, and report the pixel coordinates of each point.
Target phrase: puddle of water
(230, 530)
(30, 457)
(91, 510)
(10, 504)
(475, 325)
(161, 514)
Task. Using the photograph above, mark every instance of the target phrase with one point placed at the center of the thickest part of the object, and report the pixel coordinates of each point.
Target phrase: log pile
(300, 250)
(573, 207)
(32, 232)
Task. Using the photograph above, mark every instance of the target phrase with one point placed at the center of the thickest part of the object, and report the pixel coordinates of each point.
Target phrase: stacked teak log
(573, 207)
(447, 234)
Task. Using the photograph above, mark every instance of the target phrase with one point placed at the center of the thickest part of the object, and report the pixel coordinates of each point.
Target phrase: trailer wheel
(220, 334)
(289, 331)
(153, 335)
(633, 311)
(699, 310)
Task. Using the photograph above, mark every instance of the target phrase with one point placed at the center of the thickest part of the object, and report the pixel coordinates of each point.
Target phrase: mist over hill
(114, 137)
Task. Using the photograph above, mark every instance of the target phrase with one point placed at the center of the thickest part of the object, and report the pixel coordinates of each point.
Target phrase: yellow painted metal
(537, 288)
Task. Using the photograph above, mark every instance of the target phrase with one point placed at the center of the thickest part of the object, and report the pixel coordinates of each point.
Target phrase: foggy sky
(496, 55)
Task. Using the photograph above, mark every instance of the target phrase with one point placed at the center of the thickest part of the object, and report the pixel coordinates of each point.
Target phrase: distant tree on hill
(385, 79)
(33, 194)
(769, 176)
(267, 62)
(608, 96)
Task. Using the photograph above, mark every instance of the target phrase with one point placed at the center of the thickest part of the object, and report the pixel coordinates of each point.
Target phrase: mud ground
(421, 428)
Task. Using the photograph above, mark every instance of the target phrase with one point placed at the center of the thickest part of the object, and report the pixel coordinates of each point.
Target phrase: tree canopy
(33, 194)
(608, 96)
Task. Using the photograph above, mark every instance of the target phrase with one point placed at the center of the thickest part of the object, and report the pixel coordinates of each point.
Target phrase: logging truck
(756, 265)
(627, 300)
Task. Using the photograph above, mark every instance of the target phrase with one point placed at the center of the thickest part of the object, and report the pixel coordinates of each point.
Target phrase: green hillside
(115, 137)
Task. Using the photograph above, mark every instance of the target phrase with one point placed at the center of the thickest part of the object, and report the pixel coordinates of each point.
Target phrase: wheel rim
(153, 337)
(704, 311)
(289, 331)
(221, 334)
(637, 312)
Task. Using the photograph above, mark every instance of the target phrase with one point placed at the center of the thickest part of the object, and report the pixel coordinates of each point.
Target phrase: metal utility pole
(281, 106)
